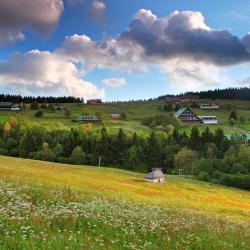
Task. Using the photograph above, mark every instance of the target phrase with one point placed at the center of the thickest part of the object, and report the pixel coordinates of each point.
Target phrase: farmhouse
(181, 98)
(209, 106)
(115, 116)
(9, 106)
(186, 115)
(172, 99)
(156, 176)
(189, 98)
(212, 119)
(89, 118)
(5, 105)
(94, 101)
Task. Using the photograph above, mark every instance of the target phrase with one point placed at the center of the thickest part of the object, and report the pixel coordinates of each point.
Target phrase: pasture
(54, 206)
(136, 112)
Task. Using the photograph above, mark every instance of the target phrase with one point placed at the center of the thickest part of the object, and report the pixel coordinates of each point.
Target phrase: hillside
(104, 208)
(136, 112)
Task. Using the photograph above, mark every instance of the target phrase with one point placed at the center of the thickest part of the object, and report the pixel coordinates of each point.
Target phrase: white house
(212, 119)
(209, 106)
(155, 176)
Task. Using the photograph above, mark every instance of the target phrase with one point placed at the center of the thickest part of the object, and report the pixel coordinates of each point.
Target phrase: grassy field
(54, 206)
(136, 112)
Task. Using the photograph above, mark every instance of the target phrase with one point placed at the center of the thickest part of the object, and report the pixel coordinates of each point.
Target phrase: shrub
(39, 114)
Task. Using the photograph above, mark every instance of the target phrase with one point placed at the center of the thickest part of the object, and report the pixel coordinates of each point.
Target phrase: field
(54, 206)
(135, 111)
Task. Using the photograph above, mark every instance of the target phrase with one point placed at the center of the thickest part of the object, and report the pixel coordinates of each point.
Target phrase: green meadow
(136, 112)
(54, 206)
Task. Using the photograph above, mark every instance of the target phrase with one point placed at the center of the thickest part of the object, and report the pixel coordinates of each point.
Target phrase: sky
(122, 50)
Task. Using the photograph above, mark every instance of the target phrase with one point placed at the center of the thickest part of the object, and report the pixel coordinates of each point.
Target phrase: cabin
(115, 116)
(181, 98)
(172, 99)
(209, 106)
(212, 119)
(10, 106)
(5, 105)
(186, 115)
(189, 98)
(94, 101)
(155, 176)
(89, 118)
(15, 107)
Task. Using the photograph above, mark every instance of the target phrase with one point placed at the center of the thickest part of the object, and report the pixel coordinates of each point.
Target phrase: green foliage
(233, 115)
(34, 105)
(78, 156)
(164, 119)
(67, 113)
(39, 114)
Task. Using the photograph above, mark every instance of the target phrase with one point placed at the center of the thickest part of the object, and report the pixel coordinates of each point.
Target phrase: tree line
(241, 93)
(39, 99)
(206, 155)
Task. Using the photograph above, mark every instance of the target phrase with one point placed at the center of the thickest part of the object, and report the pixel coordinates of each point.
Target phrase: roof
(207, 116)
(230, 136)
(5, 103)
(115, 114)
(88, 117)
(180, 111)
(155, 174)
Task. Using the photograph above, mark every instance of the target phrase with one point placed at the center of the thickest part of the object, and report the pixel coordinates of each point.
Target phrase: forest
(40, 99)
(204, 155)
(241, 93)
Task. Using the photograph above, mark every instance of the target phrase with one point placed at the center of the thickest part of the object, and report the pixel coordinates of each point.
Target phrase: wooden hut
(155, 176)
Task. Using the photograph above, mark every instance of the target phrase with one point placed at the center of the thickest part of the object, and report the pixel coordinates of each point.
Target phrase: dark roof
(155, 174)
(179, 112)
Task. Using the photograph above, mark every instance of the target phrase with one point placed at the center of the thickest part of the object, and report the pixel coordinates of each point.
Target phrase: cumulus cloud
(97, 10)
(182, 44)
(111, 53)
(39, 15)
(44, 73)
(114, 82)
(184, 34)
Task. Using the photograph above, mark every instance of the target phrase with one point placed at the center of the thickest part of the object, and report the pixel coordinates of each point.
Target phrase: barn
(94, 101)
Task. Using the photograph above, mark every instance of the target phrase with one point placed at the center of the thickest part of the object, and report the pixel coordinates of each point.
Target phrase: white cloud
(97, 10)
(114, 82)
(44, 73)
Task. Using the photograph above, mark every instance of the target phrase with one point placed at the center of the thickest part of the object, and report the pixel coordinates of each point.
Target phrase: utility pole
(100, 160)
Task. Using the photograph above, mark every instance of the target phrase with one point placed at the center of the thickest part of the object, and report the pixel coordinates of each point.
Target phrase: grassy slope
(55, 206)
(136, 112)
(120, 184)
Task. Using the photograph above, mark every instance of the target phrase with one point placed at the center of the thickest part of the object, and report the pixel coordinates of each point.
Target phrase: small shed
(115, 116)
(155, 176)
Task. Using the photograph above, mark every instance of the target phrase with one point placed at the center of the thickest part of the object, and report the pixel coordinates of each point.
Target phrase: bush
(204, 176)
(39, 114)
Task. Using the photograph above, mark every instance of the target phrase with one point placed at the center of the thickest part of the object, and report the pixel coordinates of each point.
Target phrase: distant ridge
(242, 93)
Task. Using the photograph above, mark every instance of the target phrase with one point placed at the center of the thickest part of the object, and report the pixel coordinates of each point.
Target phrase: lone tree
(233, 115)
(185, 159)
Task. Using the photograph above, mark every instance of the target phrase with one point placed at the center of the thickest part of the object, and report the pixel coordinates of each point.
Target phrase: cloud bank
(45, 73)
(38, 15)
(190, 53)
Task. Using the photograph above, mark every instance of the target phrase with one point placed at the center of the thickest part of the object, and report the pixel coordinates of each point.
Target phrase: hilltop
(136, 112)
(106, 207)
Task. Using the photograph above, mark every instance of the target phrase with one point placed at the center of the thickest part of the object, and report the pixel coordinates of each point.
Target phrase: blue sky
(36, 57)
